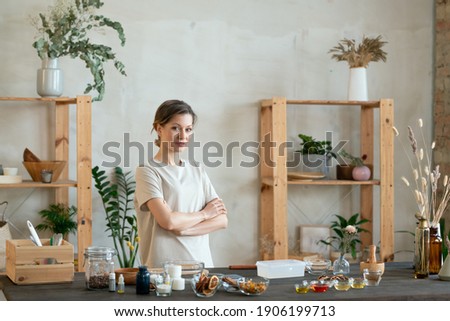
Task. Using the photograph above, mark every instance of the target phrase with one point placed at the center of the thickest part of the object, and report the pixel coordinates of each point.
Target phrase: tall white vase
(50, 79)
(357, 84)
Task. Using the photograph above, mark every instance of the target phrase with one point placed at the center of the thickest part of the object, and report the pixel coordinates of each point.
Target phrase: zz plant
(117, 198)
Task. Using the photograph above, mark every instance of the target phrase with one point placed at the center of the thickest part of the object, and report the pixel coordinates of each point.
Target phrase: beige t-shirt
(185, 188)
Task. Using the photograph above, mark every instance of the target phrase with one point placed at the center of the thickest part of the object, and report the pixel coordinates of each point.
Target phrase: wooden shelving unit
(83, 183)
(274, 182)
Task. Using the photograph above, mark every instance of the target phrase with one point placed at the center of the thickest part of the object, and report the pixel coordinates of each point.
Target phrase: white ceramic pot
(50, 79)
(357, 84)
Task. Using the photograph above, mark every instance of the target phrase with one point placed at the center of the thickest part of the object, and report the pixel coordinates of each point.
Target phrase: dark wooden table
(398, 283)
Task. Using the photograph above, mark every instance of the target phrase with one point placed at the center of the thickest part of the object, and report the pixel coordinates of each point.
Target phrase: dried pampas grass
(359, 55)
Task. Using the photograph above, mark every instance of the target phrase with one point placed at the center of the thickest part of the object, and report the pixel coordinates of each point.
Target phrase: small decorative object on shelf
(360, 172)
(358, 58)
(46, 175)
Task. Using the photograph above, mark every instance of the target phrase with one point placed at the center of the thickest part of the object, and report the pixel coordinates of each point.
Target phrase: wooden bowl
(129, 274)
(35, 168)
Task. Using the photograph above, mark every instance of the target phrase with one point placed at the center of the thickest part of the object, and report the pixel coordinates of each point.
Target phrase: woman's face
(176, 133)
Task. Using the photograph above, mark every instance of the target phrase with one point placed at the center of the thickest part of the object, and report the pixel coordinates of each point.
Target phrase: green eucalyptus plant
(64, 31)
(58, 218)
(117, 198)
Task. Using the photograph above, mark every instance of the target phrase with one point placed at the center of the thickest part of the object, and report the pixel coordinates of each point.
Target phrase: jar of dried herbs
(98, 263)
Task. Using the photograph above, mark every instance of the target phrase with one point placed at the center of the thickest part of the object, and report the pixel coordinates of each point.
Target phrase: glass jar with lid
(98, 262)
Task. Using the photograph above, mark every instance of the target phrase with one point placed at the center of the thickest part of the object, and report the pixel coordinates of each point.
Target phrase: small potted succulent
(354, 169)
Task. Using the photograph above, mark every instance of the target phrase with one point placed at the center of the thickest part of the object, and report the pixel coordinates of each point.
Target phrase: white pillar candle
(174, 271)
(178, 284)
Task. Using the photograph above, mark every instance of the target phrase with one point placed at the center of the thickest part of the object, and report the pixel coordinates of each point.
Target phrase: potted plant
(345, 240)
(354, 169)
(117, 198)
(358, 57)
(58, 218)
(316, 154)
(64, 30)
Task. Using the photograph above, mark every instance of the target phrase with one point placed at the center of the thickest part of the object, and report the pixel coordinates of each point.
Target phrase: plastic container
(280, 268)
(99, 264)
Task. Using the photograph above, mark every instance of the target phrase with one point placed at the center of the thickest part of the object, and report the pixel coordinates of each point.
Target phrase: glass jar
(435, 250)
(98, 262)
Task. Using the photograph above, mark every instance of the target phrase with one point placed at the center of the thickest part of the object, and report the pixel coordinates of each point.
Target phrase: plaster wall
(223, 57)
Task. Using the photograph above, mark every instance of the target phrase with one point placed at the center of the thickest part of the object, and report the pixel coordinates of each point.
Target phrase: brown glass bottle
(435, 250)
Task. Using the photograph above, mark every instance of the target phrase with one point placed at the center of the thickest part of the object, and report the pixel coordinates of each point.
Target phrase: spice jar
(98, 262)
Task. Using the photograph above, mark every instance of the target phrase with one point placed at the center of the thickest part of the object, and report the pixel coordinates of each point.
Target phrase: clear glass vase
(341, 265)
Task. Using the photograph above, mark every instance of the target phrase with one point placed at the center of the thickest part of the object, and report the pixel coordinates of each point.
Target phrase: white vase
(50, 79)
(357, 84)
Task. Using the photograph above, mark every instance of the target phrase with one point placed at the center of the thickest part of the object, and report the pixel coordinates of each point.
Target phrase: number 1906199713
(297, 311)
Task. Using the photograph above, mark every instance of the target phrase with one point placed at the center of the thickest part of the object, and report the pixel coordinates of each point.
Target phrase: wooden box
(27, 263)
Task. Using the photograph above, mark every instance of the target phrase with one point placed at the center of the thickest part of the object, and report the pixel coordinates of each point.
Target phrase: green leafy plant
(347, 234)
(117, 197)
(64, 31)
(310, 145)
(359, 55)
(354, 160)
(58, 218)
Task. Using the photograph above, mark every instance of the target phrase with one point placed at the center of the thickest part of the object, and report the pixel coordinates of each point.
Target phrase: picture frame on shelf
(309, 237)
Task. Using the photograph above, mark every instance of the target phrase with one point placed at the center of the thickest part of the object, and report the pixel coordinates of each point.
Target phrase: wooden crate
(27, 263)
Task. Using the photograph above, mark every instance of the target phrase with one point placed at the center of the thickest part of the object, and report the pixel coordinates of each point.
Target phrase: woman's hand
(214, 208)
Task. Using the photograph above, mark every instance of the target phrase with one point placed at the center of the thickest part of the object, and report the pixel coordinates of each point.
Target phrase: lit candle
(178, 284)
(174, 271)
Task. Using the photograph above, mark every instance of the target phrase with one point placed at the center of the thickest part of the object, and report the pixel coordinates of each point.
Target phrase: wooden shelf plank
(66, 100)
(370, 103)
(332, 182)
(31, 184)
(358, 103)
(269, 181)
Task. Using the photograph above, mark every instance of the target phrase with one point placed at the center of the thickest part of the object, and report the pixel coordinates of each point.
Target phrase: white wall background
(223, 57)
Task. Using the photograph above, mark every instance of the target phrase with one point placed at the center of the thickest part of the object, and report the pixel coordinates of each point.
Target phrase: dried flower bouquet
(359, 55)
(426, 182)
